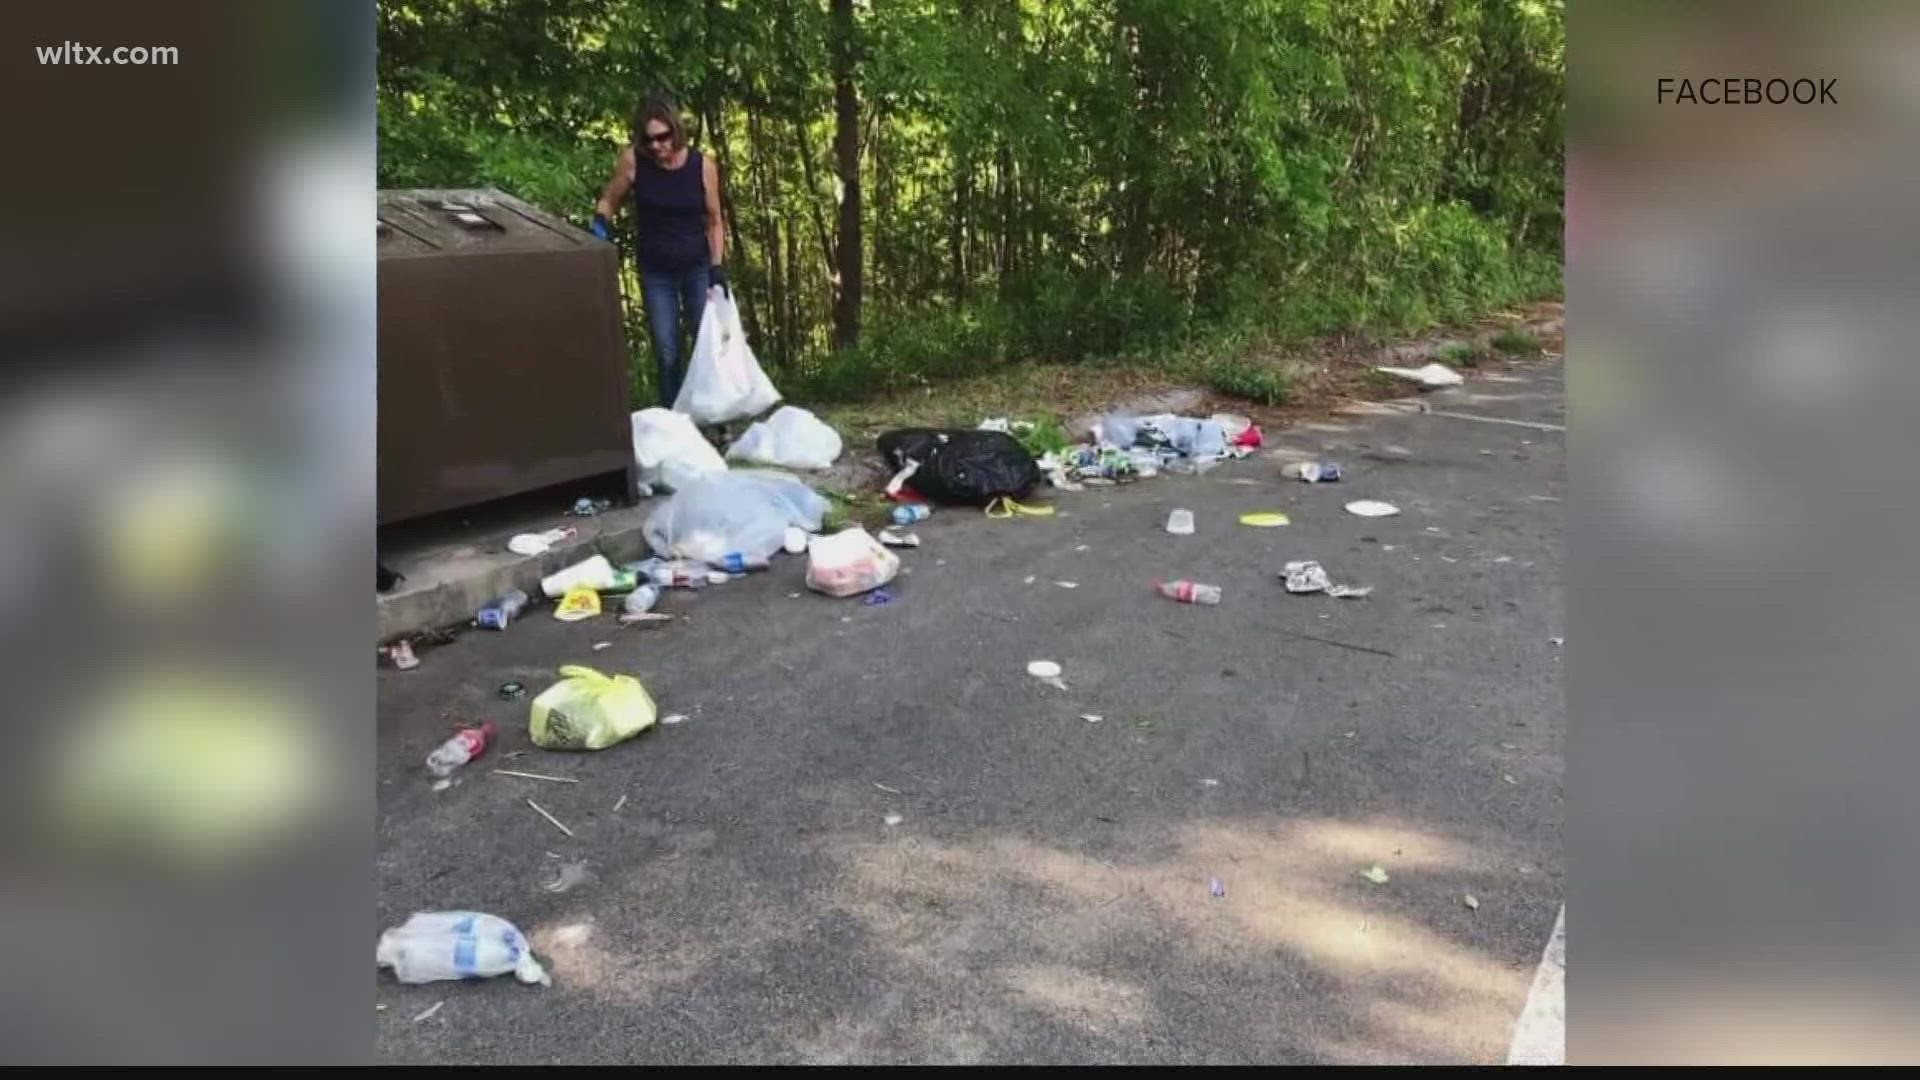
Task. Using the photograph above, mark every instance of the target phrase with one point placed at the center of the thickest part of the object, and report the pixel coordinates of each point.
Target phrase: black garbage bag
(971, 468)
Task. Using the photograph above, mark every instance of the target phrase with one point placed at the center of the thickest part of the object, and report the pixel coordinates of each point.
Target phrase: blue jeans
(674, 302)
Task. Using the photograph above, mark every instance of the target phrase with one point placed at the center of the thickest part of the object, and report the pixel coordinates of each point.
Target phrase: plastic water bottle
(497, 615)
(911, 513)
(1188, 592)
(734, 562)
(466, 744)
(436, 945)
(641, 599)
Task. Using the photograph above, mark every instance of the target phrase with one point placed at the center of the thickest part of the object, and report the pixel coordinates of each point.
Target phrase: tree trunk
(846, 150)
(957, 238)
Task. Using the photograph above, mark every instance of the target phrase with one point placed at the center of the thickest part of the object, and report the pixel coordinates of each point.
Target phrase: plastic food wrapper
(1307, 576)
(745, 513)
(581, 602)
(434, 946)
(848, 563)
(724, 382)
(588, 710)
(791, 438)
(669, 450)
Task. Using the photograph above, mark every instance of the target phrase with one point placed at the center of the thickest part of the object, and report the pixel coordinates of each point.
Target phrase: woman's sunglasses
(663, 137)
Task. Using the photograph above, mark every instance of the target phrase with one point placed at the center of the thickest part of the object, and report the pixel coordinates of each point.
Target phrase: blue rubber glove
(601, 229)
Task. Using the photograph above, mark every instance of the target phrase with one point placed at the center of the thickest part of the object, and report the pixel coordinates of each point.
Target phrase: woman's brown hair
(657, 108)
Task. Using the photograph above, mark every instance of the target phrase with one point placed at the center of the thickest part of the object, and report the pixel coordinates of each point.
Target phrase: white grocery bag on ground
(792, 438)
(724, 382)
(436, 945)
(849, 562)
(670, 451)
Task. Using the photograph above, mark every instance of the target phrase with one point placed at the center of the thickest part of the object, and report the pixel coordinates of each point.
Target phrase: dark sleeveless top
(670, 215)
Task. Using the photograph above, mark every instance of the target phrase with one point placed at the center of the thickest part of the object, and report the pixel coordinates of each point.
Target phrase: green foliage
(1516, 342)
(1460, 354)
(1052, 181)
(1238, 378)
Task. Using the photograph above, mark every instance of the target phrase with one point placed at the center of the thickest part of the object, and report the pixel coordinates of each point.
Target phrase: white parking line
(1540, 1035)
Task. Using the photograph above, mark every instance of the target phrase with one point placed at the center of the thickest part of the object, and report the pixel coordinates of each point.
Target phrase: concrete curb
(446, 586)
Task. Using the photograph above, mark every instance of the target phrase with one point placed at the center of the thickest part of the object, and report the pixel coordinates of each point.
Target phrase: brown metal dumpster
(502, 364)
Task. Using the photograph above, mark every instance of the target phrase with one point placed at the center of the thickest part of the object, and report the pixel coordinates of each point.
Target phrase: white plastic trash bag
(745, 513)
(791, 438)
(670, 451)
(724, 382)
(848, 563)
(436, 945)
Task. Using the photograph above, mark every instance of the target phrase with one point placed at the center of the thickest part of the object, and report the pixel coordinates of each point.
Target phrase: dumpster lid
(469, 221)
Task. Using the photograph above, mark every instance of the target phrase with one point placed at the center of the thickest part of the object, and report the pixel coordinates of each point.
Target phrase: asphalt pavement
(874, 838)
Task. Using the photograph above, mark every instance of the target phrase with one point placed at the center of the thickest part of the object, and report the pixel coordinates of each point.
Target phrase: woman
(680, 238)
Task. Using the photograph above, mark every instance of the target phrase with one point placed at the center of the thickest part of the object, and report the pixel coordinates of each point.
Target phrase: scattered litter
(1431, 375)
(744, 513)
(587, 710)
(1375, 874)
(795, 540)
(1312, 472)
(498, 613)
(432, 946)
(1081, 547)
(1030, 580)
(674, 718)
(645, 618)
(1348, 592)
(1372, 508)
(1232, 425)
(885, 788)
(1265, 519)
(878, 597)
(1188, 592)
(1435, 529)
(540, 543)
(621, 803)
(465, 745)
(1504, 559)
(911, 513)
(538, 809)
(1047, 672)
(592, 573)
(670, 451)
(1509, 746)
(585, 507)
(400, 654)
(1244, 481)
(1209, 782)
(581, 602)
(1217, 887)
(1544, 498)
(512, 690)
(1180, 523)
(1472, 903)
(641, 600)
(892, 820)
(1068, 584)
(1508, 778)
(1558, 641)
(1092, 718)
(1306, 576)
(568, 877)
(1007, 506)
(427, 1013)
(536, 776)
(599, 645)
(899, 540)
(848, 563)
(1448, 559)
(442, 785)
(961, 466)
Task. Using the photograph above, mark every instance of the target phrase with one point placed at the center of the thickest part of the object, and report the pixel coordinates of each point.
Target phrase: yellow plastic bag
(587, 710)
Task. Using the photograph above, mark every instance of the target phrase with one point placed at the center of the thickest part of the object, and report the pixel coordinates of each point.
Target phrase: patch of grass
(1261, 385)
(1515, 341)
(868, 509)
(1460, 354)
